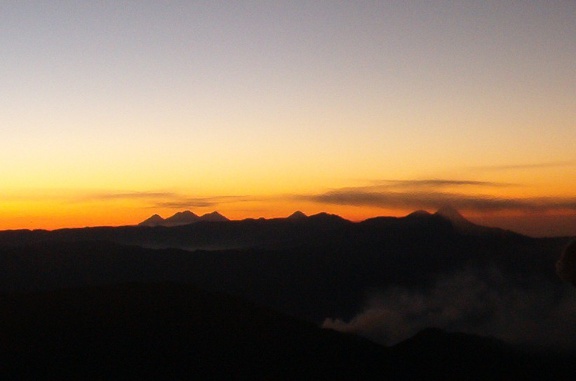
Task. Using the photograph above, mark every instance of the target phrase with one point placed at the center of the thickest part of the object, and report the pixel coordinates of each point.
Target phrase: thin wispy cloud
(416, 200)
(183, 202)
(130, 195)
(437, 183)
(170, 200)
(174, 200)
(153, 199)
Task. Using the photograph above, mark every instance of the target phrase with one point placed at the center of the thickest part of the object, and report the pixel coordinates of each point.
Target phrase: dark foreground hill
(384, 278)
(439, 355)
(168, 331)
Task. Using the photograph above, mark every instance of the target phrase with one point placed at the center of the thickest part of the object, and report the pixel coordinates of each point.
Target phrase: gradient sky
(114, 110)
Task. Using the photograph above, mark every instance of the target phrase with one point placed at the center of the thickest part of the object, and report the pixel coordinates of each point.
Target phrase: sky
(111, 111)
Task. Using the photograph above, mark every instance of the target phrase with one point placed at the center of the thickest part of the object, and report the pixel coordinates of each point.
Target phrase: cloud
(476, 302)
(130, 195)
(166, 199)
(430, 194)
(436, 183)
(199, 202)
(414, 200)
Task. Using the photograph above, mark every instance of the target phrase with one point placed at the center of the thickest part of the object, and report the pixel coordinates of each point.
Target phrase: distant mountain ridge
(448, 213)
(182, 218)
(213, 231)
(464, 226)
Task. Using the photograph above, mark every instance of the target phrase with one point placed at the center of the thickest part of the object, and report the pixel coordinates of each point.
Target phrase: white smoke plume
(470, 302)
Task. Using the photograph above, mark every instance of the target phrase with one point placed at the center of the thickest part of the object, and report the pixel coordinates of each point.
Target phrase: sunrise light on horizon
(116, 110)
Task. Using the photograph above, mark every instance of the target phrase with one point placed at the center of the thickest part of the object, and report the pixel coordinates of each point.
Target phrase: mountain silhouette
(465, 226)
(213, 217)
(298, 215)
(457, 219)
(154, 220)
(444, 214)
(452, 214)
(182, 218)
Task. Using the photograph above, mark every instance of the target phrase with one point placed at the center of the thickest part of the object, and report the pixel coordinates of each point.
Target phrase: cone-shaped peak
(451, 214)
(459, 221)
(297, 215)
(419, 213)
(185, 213)
(214, 217)
(154, 220)
(182, 218)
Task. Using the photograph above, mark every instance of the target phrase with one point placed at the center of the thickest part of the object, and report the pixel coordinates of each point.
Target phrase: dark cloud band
(384, 196)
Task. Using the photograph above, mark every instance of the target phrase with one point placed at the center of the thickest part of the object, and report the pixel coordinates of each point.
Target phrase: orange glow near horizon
(50, 215)
(503, 197)
(258, 111)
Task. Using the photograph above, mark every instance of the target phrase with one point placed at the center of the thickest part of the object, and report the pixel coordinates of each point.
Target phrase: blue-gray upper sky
(213, 98)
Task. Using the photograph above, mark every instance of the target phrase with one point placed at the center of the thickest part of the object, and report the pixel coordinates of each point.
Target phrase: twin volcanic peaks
(182, 218)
